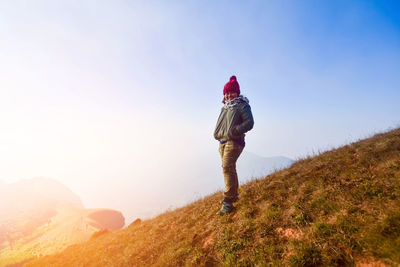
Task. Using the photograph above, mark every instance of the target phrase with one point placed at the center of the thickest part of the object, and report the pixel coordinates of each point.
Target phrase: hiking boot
(226, 208)
(236, 199)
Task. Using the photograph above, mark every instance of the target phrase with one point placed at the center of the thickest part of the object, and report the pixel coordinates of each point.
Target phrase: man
(233, 122)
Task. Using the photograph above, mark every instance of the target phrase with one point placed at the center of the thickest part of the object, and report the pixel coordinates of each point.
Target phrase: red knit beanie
(232, 86)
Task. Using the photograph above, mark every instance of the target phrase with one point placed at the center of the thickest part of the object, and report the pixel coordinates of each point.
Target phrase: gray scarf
(230, 104)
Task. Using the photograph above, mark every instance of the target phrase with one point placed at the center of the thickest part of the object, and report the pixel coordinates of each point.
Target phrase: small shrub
(249, 229)
(324, 229)
(347, 225)
(273, 213)
(339, 257)
(250, 213)
(371, 190)
(306, 256)
(391, 226)
(309, 189)
(302, 218)
(230, 250)
(323, 204)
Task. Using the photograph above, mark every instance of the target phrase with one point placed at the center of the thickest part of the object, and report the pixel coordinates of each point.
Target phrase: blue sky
(95, 90)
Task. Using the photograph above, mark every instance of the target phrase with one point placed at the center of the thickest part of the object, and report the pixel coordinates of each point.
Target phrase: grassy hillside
(338, 208)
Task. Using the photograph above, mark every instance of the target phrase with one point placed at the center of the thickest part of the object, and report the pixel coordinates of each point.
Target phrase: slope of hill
(341, 207)
(41, 216)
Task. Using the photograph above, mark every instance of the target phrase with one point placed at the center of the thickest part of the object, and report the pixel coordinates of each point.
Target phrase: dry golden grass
(339, 208)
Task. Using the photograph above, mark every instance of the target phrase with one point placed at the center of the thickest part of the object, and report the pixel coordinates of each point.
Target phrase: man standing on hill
(234, 121)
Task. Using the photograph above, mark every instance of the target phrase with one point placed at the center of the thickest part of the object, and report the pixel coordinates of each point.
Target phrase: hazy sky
(116, 98)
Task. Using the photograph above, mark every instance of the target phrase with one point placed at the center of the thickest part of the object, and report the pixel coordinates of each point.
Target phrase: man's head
(232, 87)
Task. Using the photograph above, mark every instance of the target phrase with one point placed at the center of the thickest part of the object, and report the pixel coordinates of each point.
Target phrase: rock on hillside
(340, 208)
(107, 219)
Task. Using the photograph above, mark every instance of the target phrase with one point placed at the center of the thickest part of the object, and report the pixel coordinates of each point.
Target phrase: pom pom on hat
(232, 86)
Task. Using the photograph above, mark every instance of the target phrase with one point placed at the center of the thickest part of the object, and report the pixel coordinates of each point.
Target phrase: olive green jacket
(234, 122)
